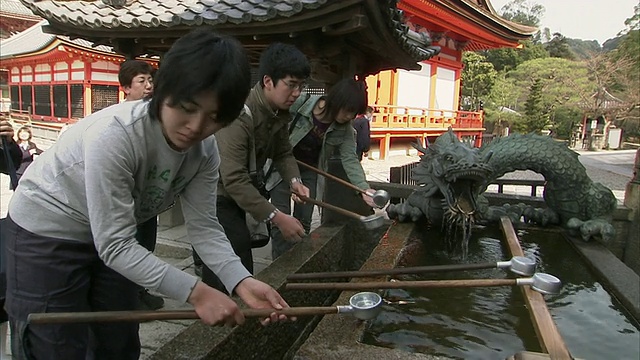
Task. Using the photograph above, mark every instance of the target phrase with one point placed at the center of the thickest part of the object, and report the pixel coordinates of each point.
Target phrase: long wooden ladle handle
(332, 177)
(331, 207)
(393, 271)
(374, 285)
(138, 316)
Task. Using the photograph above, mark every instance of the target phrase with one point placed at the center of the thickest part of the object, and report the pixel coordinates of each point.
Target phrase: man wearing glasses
(261, 130)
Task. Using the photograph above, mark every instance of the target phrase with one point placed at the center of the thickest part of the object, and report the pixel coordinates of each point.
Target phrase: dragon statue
(452, 176)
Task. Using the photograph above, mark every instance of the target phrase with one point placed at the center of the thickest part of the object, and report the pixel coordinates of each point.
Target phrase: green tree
(478, 77)
(536, 114)
(559, 47)
(506, 59)
(523, 12)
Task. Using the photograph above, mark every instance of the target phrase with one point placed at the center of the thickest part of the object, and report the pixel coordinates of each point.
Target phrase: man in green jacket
(261, 130)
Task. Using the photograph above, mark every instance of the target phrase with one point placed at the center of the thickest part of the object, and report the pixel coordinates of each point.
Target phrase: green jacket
(339, 140)
(270, 131)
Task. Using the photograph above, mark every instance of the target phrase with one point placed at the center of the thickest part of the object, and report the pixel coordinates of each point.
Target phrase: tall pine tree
(536, 116)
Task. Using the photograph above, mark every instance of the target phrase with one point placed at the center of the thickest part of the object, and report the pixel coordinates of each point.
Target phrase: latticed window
(25, 91)
(77, 100)
(42, 95)
(60, 101)
(14, 92)
(103, 96)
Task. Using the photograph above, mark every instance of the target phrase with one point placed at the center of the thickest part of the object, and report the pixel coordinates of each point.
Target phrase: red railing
(399, 117)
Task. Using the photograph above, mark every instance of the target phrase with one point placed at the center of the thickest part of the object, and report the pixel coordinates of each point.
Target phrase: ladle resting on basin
(518, 265)
(543, 283)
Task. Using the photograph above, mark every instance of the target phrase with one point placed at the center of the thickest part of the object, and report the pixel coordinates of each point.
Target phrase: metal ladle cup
(518, 265)
(379, 197)
(542, 283)
(363, 305)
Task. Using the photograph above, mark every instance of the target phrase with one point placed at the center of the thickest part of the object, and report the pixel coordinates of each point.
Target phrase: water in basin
(493, 323)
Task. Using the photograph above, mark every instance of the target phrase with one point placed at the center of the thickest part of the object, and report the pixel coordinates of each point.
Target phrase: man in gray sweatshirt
(70, 238)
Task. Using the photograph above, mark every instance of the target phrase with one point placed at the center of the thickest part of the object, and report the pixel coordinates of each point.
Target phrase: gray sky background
(582, 19)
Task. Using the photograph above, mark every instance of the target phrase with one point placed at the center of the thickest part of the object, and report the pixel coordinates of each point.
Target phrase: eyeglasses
(296, 86)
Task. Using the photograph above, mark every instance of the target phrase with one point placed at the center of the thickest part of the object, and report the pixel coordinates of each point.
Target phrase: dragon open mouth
(462, 190)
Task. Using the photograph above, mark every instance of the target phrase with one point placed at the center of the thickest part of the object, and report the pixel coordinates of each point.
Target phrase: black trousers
(47, 274)
(233, 220)
(148, 233)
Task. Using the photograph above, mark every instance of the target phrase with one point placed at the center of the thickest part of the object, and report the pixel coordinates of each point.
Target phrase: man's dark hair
(132, 68)
(347, 94)
(369, 110)
(279, 60)
(204, 61)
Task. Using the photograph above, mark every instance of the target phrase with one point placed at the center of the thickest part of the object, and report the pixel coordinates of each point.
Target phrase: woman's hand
(368, 199)
(290, 227)
(214, 307)
(259, 295)
(297, 188)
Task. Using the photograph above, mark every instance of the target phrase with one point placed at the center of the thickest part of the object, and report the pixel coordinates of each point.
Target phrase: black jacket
(363, 137)
(14, 152)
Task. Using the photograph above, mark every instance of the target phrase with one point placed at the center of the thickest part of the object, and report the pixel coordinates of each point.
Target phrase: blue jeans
(281, 199)
(47, 274)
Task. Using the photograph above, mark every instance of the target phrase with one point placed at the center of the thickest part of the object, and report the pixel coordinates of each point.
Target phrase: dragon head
(455, 170)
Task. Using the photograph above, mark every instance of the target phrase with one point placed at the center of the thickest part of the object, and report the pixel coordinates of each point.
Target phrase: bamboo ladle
(541, 282)
(370, 222)
(518, 265)
(380, 197)
(363, 305)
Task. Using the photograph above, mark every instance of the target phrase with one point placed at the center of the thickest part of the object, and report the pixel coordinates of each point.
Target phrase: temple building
(55, 79)
(409, 51)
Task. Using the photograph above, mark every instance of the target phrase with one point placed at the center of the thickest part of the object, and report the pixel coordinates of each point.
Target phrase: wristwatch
(296, 180)
(272, 215)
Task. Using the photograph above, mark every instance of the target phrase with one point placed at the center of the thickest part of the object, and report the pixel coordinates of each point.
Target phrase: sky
(582, 19)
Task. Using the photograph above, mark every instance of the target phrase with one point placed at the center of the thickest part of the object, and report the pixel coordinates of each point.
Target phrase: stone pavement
(614, 171)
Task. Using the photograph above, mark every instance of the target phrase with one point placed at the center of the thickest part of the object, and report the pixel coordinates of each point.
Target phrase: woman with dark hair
(71, 229)
(321, 128)
(28, 148)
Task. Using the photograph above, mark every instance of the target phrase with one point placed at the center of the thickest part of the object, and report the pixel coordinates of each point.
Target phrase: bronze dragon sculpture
(452, 176)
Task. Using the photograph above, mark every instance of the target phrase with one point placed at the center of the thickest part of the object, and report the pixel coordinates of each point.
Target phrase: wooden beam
(356, 23)
(550, 339)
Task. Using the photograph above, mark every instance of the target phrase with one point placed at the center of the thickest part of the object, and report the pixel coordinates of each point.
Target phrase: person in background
(6, 131)
(28, 149)
(261, 129)
(135, 79)
(362, 124)
(71, 228)
(136, 82)
(321, 129)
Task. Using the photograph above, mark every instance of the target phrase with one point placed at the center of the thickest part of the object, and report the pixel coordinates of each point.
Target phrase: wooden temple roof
(473, 24)
(347, 36)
